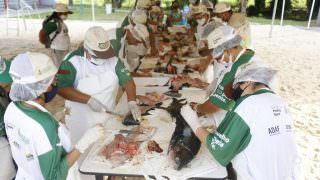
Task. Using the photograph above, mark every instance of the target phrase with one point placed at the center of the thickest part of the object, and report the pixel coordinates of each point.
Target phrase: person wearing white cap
(257, 134)
(117, 43)
(242, 27)
(225, 43)
(56, 30)
(89, 79)
(136, 42)
(193, 9)
(204, 51)
(8, 170)
(210, 8)
(40, 145)
(155, 18)
(222, 11)
(202, 16)
(144, 5)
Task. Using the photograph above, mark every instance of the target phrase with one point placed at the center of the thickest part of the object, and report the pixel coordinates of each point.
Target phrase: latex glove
(96, 105)
(135, 110)
(191, 117)
(90, 136)
(209, 89)
(65, 137)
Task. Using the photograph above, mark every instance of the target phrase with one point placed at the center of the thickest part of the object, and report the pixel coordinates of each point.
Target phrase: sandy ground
(294, 51)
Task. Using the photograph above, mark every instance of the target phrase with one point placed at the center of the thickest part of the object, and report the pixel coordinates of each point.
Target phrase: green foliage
(288, 7)
(315, 9)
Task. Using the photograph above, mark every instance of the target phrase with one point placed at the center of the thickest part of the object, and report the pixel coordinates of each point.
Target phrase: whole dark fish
(184, 144)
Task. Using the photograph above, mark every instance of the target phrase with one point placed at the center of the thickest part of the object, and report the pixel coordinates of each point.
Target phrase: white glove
(191, 117)
(209, 89)
(96, 105)
(64, 136)
(90, 136)
(135, 110)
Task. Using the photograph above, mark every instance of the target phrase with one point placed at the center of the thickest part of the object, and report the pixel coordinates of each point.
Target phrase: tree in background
(287, 8)
(70, 2)
(315, 9)
(116, 3)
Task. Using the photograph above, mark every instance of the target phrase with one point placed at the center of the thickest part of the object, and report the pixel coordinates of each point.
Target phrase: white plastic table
(203, 166)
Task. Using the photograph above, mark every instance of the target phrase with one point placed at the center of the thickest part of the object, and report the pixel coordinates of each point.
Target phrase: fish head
(182, 156)
(176, 106)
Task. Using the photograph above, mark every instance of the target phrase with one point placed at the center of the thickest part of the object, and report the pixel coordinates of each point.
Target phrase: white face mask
(201, 21)
(64, 17)
(95, 61)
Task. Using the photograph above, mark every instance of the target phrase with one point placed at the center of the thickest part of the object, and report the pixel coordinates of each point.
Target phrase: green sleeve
(53, 171)
(123, 74)
(125, 22)
(116, 45)
(220, 99)
(66, 75)
(50, 27)
(232, 136)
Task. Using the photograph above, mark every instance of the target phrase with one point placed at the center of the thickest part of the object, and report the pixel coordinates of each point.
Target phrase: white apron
(103, 87)
(130, 54)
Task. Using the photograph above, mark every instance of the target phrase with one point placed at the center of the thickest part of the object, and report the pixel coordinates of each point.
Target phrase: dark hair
(255, 84)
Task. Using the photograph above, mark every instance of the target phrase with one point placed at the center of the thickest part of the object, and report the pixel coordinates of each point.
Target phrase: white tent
(282, 12)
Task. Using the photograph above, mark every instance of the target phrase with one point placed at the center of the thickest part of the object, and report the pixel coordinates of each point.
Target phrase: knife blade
(125, 131)
(115, 114)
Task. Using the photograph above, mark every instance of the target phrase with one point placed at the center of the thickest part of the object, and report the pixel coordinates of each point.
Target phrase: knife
(124, 131)
(115, 114)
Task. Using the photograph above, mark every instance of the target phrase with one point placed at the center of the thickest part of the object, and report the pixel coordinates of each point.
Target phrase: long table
(147, 164)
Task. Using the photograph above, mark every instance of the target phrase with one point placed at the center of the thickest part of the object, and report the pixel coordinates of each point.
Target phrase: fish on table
(184, 144)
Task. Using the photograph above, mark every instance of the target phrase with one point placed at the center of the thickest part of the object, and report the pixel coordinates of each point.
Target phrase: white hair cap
(143, 4)
(208, 4)
(252, 73)
(221, 7)
(139, 16)
(220, 35)
(32, 74)
(31, 67)
(209, 28)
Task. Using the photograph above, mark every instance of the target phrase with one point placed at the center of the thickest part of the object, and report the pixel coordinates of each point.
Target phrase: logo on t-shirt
(276, 110)
(275, 130)
(288, 128)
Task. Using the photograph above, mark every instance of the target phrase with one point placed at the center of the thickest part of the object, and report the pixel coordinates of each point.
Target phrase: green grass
(100, 14)
(262, 20)
(120, 14)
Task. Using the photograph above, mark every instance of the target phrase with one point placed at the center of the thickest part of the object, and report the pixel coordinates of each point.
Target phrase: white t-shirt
(257, 137)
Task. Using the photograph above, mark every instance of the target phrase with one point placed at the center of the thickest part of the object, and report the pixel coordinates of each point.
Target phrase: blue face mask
(51, 94)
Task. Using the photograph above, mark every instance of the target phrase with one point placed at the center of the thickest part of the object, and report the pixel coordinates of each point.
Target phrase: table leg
(99, 177)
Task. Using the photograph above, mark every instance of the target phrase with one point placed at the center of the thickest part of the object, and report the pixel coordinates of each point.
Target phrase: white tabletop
(153, 164)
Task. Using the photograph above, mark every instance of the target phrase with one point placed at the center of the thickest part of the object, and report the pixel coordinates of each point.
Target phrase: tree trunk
(70, 2)
(116, 4)
(318, 19)
(243, 6)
